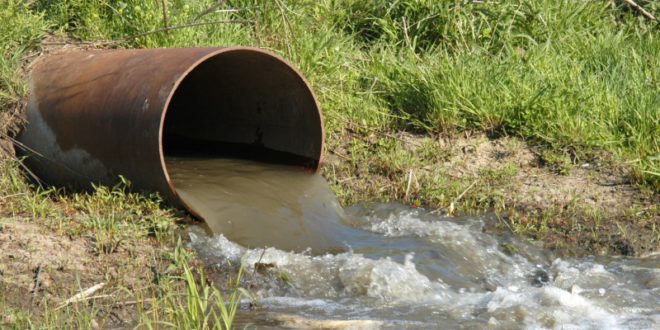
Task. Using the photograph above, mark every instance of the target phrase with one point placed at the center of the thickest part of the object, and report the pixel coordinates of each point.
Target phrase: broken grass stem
(82, 296)
(640, 9)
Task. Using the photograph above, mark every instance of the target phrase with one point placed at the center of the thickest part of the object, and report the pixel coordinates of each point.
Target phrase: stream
(312, 264)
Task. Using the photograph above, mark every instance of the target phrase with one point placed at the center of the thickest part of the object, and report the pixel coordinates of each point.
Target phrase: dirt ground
(41, 270)
(575, 207)
(39, 265)
(577, 196)
(585, 207)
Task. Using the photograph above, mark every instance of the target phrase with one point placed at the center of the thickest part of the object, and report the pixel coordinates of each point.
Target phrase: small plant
(560, 164)
(202, 306)
(106, 231)
(510, 249)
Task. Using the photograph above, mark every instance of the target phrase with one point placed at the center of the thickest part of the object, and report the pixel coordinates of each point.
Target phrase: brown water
(256, 204)
(402, 268)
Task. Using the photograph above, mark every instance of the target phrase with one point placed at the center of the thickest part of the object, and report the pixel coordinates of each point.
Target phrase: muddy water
(257, 204)
(409, 269)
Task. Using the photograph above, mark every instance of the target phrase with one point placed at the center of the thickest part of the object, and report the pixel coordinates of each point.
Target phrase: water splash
(429, 272)
(258, 204)
(395, 266)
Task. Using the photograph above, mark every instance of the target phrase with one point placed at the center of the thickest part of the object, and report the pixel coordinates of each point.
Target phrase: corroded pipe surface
(96, 115)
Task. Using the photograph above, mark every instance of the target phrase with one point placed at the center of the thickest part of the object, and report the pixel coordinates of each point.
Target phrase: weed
(556, 162)
(573, 78)
(564, 75)
(201, 307)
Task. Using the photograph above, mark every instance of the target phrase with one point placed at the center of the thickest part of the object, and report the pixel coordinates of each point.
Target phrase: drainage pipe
(96, 115)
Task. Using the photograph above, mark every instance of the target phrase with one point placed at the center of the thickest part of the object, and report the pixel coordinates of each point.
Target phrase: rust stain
(95, 115)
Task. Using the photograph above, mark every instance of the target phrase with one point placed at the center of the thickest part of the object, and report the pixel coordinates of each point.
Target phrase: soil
(40, 268)
(38, 265)
(575, 208)
(575, 194)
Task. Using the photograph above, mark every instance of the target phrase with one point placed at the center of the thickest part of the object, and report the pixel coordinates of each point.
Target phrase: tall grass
(201, 307)
(20, 31)
(576, 77)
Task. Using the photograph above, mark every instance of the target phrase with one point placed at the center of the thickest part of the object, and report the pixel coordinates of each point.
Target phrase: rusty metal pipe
(96, 115)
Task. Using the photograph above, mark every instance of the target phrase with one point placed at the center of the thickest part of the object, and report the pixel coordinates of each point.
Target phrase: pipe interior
(244, 104)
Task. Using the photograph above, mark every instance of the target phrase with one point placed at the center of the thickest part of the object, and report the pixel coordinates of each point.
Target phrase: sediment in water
(257, 204)
(416, 270)
(404, 268)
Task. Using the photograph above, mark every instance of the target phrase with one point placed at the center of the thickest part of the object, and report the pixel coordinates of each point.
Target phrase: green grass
(201, 307)
(576, 79)
(566, 75)
(113, 219)
(19, 34)
(110, 214)
(573, 77)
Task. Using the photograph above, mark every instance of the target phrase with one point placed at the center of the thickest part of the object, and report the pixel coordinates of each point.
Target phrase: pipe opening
(244, 103)
(234, 108)
(190, 123)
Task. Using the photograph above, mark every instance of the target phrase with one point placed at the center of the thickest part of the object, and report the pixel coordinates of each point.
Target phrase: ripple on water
(407, 268)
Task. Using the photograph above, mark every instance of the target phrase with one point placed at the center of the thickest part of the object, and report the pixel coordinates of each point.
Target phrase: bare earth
(585, 207)
(41, 265)
(40, 268)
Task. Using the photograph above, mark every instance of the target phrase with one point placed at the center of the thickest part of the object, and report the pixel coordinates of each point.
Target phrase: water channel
(387, 266)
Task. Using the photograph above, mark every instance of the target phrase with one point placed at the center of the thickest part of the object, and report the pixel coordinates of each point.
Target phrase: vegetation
(118, 225)
(182, 300)
(573, 77)
(578, 81)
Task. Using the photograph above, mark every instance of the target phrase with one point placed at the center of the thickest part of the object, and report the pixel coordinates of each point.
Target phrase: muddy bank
(575, 206)
(40, 269)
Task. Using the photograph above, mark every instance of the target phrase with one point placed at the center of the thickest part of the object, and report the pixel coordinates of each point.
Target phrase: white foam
(568, 310)
(409, 224)
(345, 274)
(575, 294)
(319, 304)
(390, 281)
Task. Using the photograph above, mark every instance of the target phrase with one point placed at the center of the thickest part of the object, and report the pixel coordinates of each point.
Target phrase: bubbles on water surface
(401, 267)
(468, 281)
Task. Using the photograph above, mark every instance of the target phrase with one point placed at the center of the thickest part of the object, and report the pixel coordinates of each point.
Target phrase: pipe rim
(184, 75)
